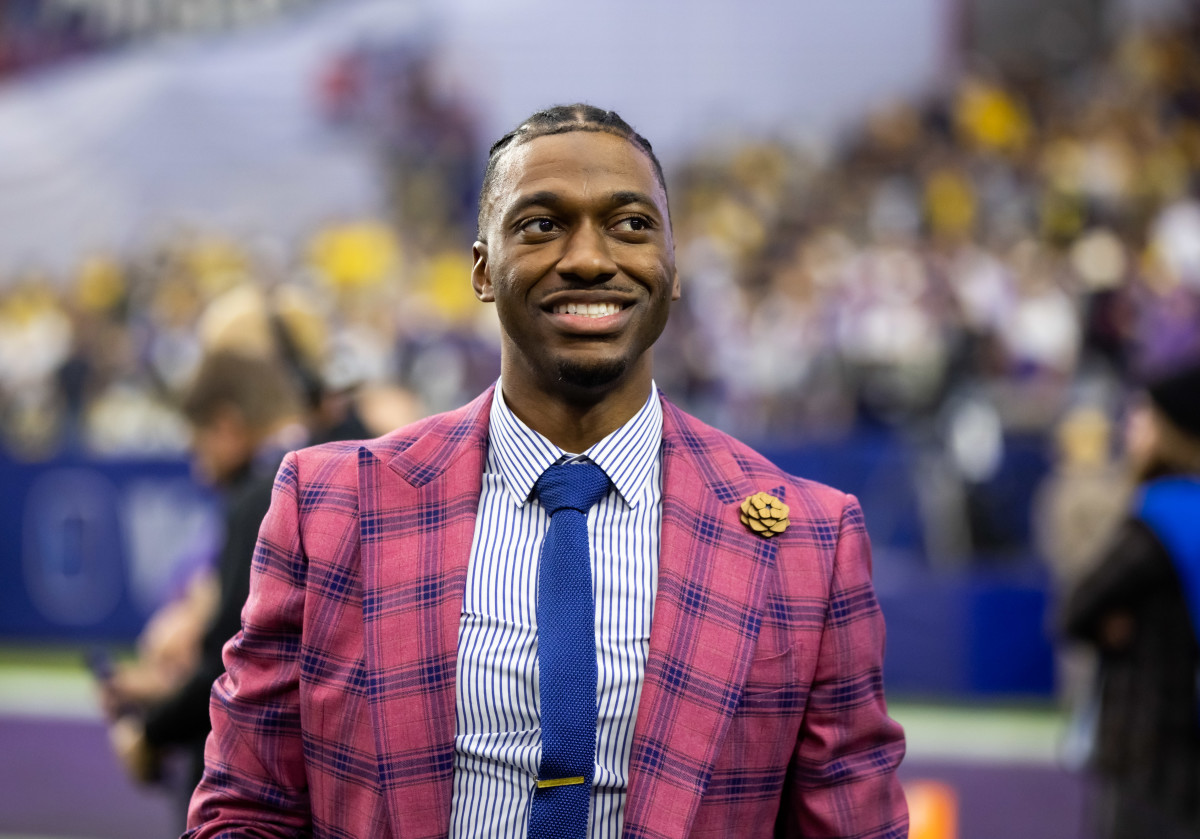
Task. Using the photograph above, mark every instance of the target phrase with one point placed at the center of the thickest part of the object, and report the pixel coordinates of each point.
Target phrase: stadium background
(927, 246)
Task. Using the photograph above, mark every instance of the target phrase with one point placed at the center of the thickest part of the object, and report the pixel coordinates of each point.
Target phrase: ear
(676, 290)
(481, 276)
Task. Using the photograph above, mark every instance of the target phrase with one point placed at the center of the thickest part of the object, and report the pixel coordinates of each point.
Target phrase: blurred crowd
(96, 365)
(40, 34)
(33, 37)
(1012, 243)
(975, 263)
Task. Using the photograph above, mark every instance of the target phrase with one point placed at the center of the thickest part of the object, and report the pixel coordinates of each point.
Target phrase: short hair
(259, 389)
(1176, 452)
(561, 119)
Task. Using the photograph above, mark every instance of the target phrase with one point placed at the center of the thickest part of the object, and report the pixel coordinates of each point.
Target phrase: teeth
(589, 310)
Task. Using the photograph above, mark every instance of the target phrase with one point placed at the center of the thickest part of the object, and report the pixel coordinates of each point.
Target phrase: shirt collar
(627, 455)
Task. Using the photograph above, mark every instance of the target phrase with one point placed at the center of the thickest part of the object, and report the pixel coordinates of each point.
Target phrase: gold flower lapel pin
(765, 514)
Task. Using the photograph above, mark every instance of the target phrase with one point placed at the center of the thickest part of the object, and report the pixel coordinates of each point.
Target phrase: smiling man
(567, 609)
(575, 250)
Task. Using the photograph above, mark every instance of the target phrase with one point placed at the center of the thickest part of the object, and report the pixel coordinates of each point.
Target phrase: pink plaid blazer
(762, 712)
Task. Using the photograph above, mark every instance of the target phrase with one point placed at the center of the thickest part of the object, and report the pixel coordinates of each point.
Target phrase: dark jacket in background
(182, 719)
(1148, 738)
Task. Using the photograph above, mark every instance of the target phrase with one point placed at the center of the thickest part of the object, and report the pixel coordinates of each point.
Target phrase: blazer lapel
(707, 614)
(417, 521)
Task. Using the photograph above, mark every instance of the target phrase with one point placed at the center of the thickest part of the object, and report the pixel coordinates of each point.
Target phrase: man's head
(576, 250)
(1162, 434)
(558, 120)
(233, 403)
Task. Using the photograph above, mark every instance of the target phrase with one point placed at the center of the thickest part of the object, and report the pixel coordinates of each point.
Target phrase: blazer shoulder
(739, 463)
(423, 446)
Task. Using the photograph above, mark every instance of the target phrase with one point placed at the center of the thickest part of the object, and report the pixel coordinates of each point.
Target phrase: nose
(586, 256)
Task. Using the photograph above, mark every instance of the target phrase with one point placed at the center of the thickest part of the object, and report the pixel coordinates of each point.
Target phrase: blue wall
(93, 546)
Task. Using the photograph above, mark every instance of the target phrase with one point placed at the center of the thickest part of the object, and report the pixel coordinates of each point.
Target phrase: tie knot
(574, 486)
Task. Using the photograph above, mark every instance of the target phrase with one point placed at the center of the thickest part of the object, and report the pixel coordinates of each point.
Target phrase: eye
(538, 225)
(634, 224)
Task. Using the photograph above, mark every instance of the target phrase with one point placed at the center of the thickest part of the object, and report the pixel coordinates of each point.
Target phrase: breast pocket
(762, 734)
(770, 674)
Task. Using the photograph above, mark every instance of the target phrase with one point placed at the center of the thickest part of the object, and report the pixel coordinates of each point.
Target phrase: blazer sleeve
(842, 782)
(254, 782)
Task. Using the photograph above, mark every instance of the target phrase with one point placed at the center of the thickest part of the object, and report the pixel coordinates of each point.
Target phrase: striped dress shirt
(497, 747)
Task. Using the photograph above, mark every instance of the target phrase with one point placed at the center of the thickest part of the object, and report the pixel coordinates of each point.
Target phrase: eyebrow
(627, 197)
(551, 199)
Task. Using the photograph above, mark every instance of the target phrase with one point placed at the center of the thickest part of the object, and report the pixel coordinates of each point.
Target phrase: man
(391, 678)
(244, 414)
(1139, 609)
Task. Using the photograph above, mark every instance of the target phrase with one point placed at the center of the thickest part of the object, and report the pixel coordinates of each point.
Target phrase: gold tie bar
(559, 782)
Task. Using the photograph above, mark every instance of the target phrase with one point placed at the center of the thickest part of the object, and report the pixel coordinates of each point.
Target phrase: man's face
(579, 259)
(221, 446)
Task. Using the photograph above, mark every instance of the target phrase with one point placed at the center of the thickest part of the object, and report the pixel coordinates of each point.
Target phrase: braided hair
(560, 119)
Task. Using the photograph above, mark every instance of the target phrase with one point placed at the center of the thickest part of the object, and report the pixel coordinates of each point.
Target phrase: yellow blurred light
(446, 281)
(216, 264)
(932, 810)
(100, 283)
(949, 203)
(357, 254)
(991, 118)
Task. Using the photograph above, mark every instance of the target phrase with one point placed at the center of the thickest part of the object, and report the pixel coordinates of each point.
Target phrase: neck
(574, 425)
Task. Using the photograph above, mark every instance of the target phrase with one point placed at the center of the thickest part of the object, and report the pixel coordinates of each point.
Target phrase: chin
(592, 374)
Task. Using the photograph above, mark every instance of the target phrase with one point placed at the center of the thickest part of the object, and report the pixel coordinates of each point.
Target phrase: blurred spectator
(36, 34)
(245, 415)
(1140, 608)
(259, 390)
(1081, 501)
(35, 340)
(1076, 509)
(425, 130)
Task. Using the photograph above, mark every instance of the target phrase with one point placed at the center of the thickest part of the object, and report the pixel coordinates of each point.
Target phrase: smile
(587, 310)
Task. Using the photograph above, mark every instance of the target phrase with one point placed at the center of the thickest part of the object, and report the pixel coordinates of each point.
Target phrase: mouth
(587, 310)
(580, 317)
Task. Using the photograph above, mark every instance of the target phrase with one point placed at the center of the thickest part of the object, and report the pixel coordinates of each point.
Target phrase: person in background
(245, 415)
(449, 628)
(286, 326)
(1076, 509)
(260, 390)
(1084, 496)
(1140, 608)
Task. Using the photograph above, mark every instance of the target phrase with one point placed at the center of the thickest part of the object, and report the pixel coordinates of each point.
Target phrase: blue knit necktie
(566, 620)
